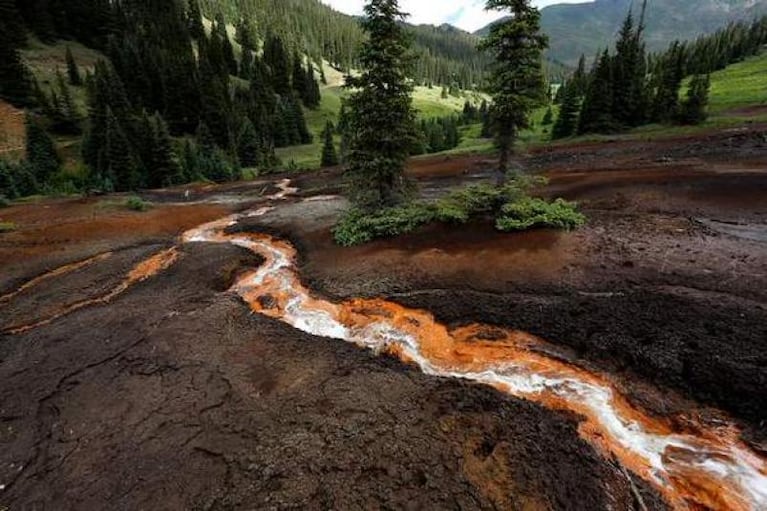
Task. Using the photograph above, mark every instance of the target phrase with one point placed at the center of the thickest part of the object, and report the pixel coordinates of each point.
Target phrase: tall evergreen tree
(194, 20)
(668, 79)
(580, 79)
(73, 72)
(567, 122)
(311, 94)
(517, 82)
(119, 159)
(693, 108)
(276, 58)
(246, 64)
(226, 47)
(65, 114)
(597, 108)
(249, 146)
(15, 84)
(165, 169)
(42, 157)
(329, 154)
(629, 74)
(380, 113)
(548, 117)
(299, 76)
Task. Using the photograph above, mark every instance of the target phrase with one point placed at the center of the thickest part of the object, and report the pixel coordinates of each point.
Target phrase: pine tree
(119, 161)
(165, 169)
(693, 109)
(668, 81)
(567, 122)
(329, 154)
(597, 108)
(72, 70)
(194, 20)
(276, 58)
(15, 84)
(42, 157)
(189, 162)
(517, 80)
(311, 94)
(580, 79)
(11, 26)
(299, 77)
(228, 50)
(548, 117)
(380, 116)
(216, 107)
(65, 114)
(248, 146)
(297, 113)
(8, 188)
(629, 71)
(211, 162)
(246, 65)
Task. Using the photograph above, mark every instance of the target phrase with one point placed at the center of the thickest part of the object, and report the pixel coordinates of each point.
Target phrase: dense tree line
(167, 76)
(444, 55)
(629, 88)
(437, 135)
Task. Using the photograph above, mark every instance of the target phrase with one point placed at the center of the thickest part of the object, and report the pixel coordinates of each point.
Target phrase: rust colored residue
(142, 271)
(62, 270)
(699, 468)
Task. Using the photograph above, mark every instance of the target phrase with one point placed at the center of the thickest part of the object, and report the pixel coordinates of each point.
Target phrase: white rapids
(707, 467)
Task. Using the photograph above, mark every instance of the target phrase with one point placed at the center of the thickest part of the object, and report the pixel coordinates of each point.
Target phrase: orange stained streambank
(142, 271)
(704, 468)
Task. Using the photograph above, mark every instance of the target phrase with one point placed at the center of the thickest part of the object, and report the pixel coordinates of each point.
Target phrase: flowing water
(708, 467)
(705, 467)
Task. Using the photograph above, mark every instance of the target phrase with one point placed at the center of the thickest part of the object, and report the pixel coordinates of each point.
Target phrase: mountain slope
(576, 29)
(445, 55)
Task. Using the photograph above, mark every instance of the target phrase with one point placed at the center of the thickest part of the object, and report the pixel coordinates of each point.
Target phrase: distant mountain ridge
(576, 29)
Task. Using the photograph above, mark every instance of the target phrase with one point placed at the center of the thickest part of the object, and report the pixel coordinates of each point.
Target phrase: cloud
(469, 15)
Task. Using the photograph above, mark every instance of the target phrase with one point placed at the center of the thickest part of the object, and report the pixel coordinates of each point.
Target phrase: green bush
(358, 226)
(137, 204)
(7, 227)
(511, 206)
(4, 202)
(531, 212)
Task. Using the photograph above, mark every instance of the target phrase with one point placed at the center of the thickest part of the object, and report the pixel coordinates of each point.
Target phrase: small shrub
(511, 205)
(4, 202)
(7, 227)
(532, 212)
(358, 227)
(137, 204)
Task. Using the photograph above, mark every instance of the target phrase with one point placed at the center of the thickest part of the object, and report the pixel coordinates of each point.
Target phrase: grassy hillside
(741, 85)
(738, 96)
(427, 101)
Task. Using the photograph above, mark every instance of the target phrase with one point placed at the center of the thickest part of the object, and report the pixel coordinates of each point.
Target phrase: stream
(709, 467)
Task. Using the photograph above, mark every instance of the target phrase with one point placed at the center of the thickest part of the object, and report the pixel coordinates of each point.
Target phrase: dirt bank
(173, 396)
(194, 403)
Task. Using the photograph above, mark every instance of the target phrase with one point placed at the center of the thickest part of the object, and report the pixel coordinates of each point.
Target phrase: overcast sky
(469, 15)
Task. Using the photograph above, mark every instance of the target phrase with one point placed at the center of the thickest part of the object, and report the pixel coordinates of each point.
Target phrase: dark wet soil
(174, 396)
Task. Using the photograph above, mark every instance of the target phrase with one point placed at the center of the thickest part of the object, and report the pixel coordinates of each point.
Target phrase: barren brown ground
(173, 396)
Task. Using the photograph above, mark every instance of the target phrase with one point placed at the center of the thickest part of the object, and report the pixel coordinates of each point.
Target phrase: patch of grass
(7, 227)
(358, 227)
(739, 85)
(530, 212)
(511, 205)
(137, 204)
(427, 102)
